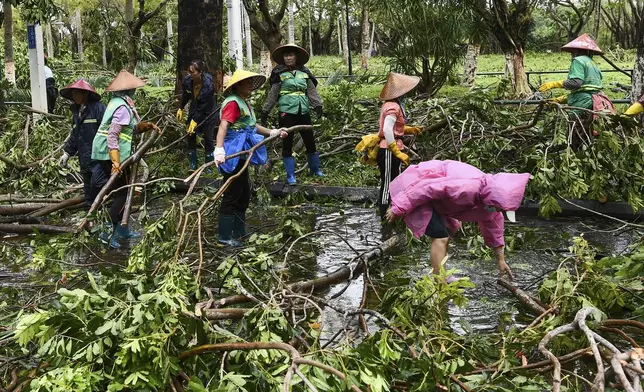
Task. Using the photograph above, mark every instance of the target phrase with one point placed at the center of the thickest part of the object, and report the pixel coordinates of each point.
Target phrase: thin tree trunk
(310, 35)
(249, 39)
(104, 48)
(9, 65)
(515, 69)
(373, 35)
(345, 43)
(129, 11)
(638, 72)
(365, 41)
(340, 35)
(79, 33)
(598, 18)
(50, 40)
(170, 34)
(471, 64)
(291, 24)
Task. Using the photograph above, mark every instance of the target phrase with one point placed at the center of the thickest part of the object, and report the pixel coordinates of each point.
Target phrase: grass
(330, 65)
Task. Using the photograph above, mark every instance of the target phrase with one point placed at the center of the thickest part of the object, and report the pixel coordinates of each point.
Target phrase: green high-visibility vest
(293, 98)
(100, 152)
(584, 68)
(247, 117)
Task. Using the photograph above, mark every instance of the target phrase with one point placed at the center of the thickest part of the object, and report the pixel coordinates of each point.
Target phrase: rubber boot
(105, 236)
(125, 232)
(210, 156)
(114, 242)
(289, 166)
(314, 164)
(239, 226)
(192, 158)
(226, 223)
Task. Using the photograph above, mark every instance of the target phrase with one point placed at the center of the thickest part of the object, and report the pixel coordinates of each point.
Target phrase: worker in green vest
(238, 131)
(585, 84)
(112, 145)
(293, 89)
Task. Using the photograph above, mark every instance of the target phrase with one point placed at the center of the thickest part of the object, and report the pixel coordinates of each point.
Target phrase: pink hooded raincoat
(458, 192)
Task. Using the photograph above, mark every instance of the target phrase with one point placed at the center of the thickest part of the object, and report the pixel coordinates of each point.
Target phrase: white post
(234, 32)
(36, 67)
(249, 40)
(291, 24)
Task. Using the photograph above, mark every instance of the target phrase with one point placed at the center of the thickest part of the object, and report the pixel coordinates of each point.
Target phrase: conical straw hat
(398, 85)
(125, 81)
(301, 54)
(239, 75)
(583, 42)
(80, 84)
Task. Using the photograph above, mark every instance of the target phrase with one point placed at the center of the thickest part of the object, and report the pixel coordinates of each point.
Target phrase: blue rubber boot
(289, 166)
(226, 223)
(125, 232)
(314, 164)
(210, 156)
(105, 236)
(192, 158)
(239, 226)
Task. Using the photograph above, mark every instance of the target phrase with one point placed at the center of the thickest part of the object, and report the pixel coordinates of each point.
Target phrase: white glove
(282, 132)
(220, 155)
(62, 162)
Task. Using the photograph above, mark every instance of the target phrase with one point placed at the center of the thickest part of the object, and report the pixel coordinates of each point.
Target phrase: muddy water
(539, 244)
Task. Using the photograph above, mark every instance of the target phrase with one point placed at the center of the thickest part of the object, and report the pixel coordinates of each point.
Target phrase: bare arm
(221, 133)
(262, 130)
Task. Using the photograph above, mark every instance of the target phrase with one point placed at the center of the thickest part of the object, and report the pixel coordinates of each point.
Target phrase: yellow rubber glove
(191, 127)
(393, 147)
(180, 114)
(412, 130)
(550, 85)
(635, 109)
(559, 99)
(115, 157)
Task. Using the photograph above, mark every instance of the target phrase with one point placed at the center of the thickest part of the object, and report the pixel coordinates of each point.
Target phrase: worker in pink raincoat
(434, 197)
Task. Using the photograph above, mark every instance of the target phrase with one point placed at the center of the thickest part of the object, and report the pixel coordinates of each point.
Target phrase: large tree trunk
(471, 64)
(129, 11)
(133, 50)
(265, 64)
(248, 38)
(515, 69)
(364, 42)
(291, 24)
(79, 33)
(195, 42)
(638, 68)
(9, 65)
(598, 18)
(345, 42)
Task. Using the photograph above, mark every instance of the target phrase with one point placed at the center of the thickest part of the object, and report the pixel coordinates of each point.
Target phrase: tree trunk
(170, 34)
(471, 64)
(195, 42)
(291, 25)
(79, 33)
(249, 40)
(598, 18)
(104, 48)
(365, 41)
(265, 64)
(49, 37)
(340, 35)
(345, 43)
(129, 11)
(516, 72)
(310, 35)
(638, 71)
(9, 65)
(133, 50)
(373, 35)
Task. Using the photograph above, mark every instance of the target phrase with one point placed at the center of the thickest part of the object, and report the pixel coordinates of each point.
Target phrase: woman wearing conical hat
(293, 89)
(112, 145)
(238, 131)
(393, 126)
(584, 83)
(87, 114)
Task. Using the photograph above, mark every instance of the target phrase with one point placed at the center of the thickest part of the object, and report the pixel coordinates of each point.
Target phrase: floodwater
(539, 246)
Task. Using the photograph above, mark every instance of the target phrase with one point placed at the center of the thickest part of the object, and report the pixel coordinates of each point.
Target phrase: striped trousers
(389, 169)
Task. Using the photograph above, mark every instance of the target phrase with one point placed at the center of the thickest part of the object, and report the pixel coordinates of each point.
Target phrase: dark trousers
(101, 173)
(580, 127)
(86, 173)
(208, 134)
(289, 120)
(389, 169)
(237, 197)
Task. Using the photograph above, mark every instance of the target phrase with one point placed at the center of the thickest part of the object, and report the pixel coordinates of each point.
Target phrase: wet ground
(539, 246)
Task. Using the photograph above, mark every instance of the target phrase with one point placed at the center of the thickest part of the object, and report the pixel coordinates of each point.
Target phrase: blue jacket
(85, 124)
(204, 105)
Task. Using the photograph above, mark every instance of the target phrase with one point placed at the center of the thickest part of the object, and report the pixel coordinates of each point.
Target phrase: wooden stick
(124, 165)
(28, 229)
(19, 209)
(127, 208)
(523, 297)
(25, 135)
(19, 199)
(74, 201)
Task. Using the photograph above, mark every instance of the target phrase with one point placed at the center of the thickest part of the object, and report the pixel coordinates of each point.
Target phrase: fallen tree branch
(74, 201)
(31, 228)
(533, 305)
(20, 209)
